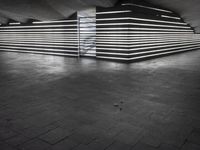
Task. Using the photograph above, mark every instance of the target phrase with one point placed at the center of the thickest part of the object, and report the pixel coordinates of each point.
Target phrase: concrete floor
(57, 103)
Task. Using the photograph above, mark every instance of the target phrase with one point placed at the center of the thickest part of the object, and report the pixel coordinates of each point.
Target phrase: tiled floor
(57, 103)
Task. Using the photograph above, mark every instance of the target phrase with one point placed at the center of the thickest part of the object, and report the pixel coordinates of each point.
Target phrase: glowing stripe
(146, 56)
(113, 12)
(150, 29)
(165, 16)
(43, 26)
(44, 43)
(75, 29)
(142, 19)
(14, 23)
(37, 52)
(41, 49)
(147, 7)
(163, 53)
(141, 48)
(56, 21)
(144, 45)
(38, 45)
(140, 24)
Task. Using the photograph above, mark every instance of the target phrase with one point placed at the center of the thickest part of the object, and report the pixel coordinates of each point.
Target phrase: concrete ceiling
(22, 10)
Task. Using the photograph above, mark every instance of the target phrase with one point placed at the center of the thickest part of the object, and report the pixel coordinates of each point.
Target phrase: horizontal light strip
(146, 52)
(165, 16)
(164, 53)
(56, 21)
(37, 52)
(41, 43)
(40, 30)
(144, 45)
(43, 33)
(136, 49)
(41, 26)
(40, 49)
(151, 29)
(113, 12)
(146, 56)
(14, 23)
(144, 42)
(130, 4)
(38, 45)
(142, 19)
(140, 24)
(129, 35)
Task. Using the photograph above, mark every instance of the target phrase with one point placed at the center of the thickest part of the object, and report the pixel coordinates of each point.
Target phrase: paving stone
(4, 146)
(101, 143)
(56, 135)
(167, 147)
(190, 146)
(142, 146)
(35, 145)
(17, 140)
(65, 145)
(194, 137)
(82, 138)
(119, 146)
(6, 133)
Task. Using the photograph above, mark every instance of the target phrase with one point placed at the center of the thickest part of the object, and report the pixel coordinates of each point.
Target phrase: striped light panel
(144, 32)
(41, 37)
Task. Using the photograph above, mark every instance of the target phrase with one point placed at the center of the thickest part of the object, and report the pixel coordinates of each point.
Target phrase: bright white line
(37, 52)
(41, 26)
(75, 29)
(130, 45)
(14, 23)
(165, 16)
(150, 55)
(37, 45)
(147, 7)
(113, 12)
(41, 49)
(142, 19)
(140, 24)
(141, 48)
(56, 21)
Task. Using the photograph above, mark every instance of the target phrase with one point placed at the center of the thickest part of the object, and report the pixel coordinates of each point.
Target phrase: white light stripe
(38, 45)
(14, 23)
(145, 52)
(142, 19)
(42, 33)
(147, 56)
(129, 35)
(55, 21)
(147, 7)
(36, 26)
(150, 29)
(140, 24)
(143, 44)
(141, 48)
(37, 52)
(165, 16)
(40, 49)
(40, 30)
(158, 54)
(113, 12)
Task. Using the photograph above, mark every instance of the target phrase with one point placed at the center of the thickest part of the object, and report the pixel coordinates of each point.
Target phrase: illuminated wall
(127, 32)
(137, 31)
(47, 37)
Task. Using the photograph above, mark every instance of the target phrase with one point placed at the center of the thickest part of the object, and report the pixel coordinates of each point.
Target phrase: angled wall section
(132, 31)
(47, 37)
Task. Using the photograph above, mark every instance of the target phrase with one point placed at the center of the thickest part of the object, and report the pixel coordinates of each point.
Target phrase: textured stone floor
(57, 103)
